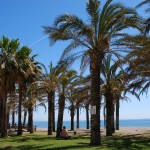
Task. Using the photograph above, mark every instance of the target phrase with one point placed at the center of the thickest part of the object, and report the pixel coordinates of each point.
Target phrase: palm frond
(143, 3)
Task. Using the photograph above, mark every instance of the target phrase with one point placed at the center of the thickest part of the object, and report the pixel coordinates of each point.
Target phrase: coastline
(122, 130)
(122, 123)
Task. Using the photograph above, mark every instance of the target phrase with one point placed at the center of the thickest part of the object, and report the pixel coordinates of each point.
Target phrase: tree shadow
(116, 142)
(128, 142)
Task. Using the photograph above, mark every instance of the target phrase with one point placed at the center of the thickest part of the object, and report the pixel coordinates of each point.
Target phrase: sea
(122, 123)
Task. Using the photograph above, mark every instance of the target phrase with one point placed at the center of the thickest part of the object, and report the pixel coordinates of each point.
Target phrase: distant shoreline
(122, 130)
(82, 124)
(101, 120)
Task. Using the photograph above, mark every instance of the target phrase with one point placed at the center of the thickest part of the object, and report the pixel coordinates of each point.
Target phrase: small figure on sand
(64, 133)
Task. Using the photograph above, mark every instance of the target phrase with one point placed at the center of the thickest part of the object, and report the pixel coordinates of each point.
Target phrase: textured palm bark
(87, 116)
(109, 107)
(30, 118)
(117, 114)
(0, 114)
(60, 114)
(50, 112)
(113, 119)
(19, 132)
(95, 100)
(72, 117)
(4, 109)
(78, 123)
(53, 109)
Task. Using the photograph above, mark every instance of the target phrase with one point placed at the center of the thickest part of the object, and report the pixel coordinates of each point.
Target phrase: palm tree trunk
(95, 99)
(19, 132)
(13, 118)
(50, 113)
(72, 116)
(60, 114)
(4, 109)
(30, 118)
(109, 107)
(87, 116)
(78, 123)
(53, 109)
(24, 119)
(0, 114)
(113, 119)
(117, 114)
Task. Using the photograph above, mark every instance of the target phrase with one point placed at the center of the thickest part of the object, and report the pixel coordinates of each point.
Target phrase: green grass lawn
(80, 141)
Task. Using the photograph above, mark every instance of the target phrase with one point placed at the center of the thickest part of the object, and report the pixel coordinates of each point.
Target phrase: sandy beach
(122, 130)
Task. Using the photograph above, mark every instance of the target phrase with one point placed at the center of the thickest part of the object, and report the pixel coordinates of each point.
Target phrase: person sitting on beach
(64, 133)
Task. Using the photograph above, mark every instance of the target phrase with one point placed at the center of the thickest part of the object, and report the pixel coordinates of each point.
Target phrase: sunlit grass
(40, 140)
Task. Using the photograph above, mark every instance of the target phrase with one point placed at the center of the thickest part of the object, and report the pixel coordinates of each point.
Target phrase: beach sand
(122, 130)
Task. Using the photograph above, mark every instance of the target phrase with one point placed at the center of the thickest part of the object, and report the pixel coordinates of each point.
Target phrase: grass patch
(41, 141)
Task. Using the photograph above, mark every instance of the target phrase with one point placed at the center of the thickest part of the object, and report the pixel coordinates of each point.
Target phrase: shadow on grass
(30, 147)
(23, 147)
(43, 142)
(130, 142)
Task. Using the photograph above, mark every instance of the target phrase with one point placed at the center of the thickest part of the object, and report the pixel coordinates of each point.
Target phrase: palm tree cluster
(103, 33)
(118, 63)
(17, 72)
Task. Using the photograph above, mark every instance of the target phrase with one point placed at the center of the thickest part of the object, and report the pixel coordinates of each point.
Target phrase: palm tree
(13, 109)
(8, 51)
(66, 79)
(0, 114)
(23, 71)
(71, 96)
(120, 93)
(33, 95)
(78, 122)
(48, 84)
(94, 37)
(112, 81)
(51, 87)
(82, 97)
(71, 100)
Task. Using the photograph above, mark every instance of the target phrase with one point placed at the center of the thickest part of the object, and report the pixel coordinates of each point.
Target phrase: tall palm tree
(32, 94)
(82, 97)
(66, 79)
(78, 116)
(51, 87)
(0, 114)
(48, 84)
(112, 81)
(23, 70)
(94, 37)
(8, 51)
(72, 97)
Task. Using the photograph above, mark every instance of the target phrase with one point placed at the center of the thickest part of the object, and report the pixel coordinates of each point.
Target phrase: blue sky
(24, 19)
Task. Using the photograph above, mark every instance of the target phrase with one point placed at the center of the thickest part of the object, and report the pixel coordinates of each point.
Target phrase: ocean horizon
(82, 124)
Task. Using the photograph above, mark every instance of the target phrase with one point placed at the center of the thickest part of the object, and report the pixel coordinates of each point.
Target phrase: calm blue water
(123, 123)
